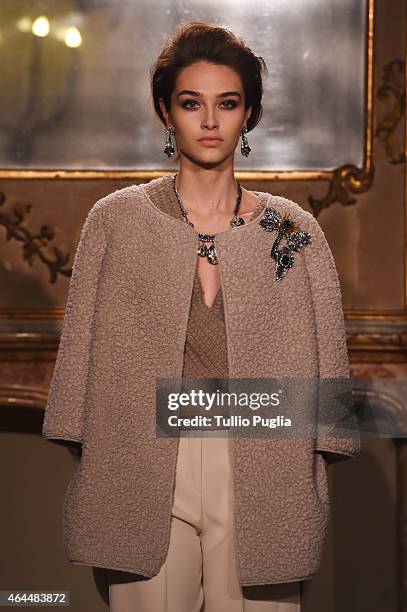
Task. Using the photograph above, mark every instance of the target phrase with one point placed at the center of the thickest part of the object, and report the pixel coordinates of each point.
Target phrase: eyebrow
(190, 92)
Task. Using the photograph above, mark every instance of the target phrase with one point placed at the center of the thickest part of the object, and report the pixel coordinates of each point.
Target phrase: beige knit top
(205, 354)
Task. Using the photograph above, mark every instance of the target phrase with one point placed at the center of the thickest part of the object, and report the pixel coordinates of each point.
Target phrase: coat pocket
(321, 478)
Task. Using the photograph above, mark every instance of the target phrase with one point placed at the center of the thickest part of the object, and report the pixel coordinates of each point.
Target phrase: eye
(232, 104)
(184, 104)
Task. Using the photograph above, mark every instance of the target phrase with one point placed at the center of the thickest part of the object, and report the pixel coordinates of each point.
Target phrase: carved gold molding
(345, 180)
(377, 348)
(392, 87)
(20, 396)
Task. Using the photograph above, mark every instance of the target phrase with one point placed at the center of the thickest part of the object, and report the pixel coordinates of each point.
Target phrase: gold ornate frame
(355, 178)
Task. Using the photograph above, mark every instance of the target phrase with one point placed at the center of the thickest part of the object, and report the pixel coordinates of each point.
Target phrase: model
(191, 275)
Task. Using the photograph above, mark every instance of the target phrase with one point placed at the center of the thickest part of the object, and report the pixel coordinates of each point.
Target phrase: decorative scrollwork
(347, 178)
(34, 244)
(392, 86)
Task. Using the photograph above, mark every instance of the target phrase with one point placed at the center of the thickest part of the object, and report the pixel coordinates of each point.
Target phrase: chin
(209, 158)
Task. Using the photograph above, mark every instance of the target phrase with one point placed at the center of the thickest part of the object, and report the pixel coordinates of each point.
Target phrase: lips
(210, 141)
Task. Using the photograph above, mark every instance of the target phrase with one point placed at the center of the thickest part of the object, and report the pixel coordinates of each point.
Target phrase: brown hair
(196, 40)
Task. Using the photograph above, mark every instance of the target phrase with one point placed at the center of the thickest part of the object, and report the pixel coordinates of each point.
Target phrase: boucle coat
(125, 324)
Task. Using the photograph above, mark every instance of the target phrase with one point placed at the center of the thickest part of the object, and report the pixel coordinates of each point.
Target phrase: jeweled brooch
(288, 229)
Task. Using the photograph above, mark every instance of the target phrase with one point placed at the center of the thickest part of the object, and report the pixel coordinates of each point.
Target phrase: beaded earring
(169, 148)
(244, 147)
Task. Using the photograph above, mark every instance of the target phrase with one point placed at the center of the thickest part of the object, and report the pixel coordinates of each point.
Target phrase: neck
(207, 190)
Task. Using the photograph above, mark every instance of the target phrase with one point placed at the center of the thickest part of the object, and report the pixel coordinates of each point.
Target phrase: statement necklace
(210, 251)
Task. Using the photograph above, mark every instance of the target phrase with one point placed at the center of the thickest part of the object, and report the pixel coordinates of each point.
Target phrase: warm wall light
(40, 26)
(24, 24)
(73, 37)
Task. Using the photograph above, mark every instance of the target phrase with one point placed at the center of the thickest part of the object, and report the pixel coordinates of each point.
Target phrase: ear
(247, 114)
(164, 110)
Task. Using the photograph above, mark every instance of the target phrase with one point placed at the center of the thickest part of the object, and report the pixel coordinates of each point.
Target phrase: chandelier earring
(244, 146)
(169, 148)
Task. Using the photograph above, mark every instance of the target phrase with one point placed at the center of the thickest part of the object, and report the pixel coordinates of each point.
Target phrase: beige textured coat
(125, 324)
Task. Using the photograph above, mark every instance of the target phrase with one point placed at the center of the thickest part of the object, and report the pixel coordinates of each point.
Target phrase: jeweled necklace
(203, 250)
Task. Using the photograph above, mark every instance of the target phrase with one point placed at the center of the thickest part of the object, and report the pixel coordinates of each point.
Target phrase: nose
(210, 121)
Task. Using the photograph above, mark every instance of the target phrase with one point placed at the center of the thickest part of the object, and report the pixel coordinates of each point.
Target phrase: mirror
(75, 82)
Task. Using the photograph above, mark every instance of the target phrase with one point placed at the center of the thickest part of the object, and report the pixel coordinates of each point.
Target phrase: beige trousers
(199, 573)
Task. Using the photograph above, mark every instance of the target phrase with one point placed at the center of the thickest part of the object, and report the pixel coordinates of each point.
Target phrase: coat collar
(162, 188)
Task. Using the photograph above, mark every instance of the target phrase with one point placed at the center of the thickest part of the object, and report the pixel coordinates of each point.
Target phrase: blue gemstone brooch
(288, 229)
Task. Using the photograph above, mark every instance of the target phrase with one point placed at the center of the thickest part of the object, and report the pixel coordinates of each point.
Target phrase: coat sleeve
(332, 353)
(63, 418)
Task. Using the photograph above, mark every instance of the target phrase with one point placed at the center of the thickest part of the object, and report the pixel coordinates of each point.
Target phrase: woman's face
(207, 101)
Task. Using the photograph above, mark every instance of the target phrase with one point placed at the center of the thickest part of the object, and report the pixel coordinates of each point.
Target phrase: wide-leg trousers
(199, 574)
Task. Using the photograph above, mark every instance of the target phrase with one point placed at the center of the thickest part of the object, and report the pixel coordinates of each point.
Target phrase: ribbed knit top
(205, 354)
